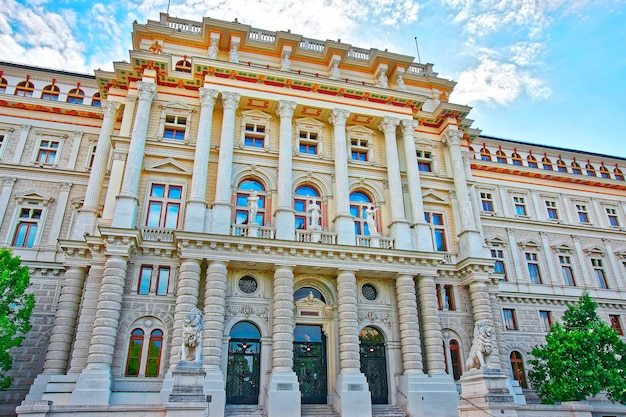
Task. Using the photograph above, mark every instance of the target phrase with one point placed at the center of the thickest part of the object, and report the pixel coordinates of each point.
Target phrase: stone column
(86, 218)
(95, 381)
(126, 207)
(344, 222)
(283, 396)
(21, 143)
(351, 396)
(421, 231)
(221, 215)
(539, 213)
(5, 195)
(285, 215)
(554, 278)
(409, 325)
(470, 244)
(195, 215)
(583, 261)
(399, 227)
(431, 328)
(214, 314)
(517, 264)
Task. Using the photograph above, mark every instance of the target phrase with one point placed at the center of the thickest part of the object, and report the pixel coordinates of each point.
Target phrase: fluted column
(65, 319)
(196, 205)
(344, 222)
(470, 244)
(285, 215)
(214, 313)
(421, 231)
(431, 328)
(221, 216)
(126, 207)
(409, 325)
(349, 356)
(282, 328)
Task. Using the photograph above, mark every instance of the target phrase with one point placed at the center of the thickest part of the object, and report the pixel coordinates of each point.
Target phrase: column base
(195, 217)
(215, 392)
(401, 234)
(84, 224)
(470, 245)
(221, 218)
(344, 228)
(422, 395)
(93, 387)
(125, 212)
(285, 223)
(351, 396)
(283, 395)
(423, 237)
(38, 387)
(485, 390)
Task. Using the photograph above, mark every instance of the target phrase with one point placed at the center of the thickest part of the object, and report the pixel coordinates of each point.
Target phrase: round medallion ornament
(248, 285)
(369, 292)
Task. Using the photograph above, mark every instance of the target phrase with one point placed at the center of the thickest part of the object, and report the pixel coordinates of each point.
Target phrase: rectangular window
(308, 142)
(612, 216)
(424, 161)
(47, 152)
(553, 214)
(175, 127)
(445, 297)
(438, 229)
(164, 206)
(498, 263)
(534, 272)
(520, 206)
(27, 226)
(598, 271)
(567, 270)
(145, 280)
(1, 142)
(583, 215)
(616, 324)
(487, 202)
(91, 156)
(545, 319)
(163, 281)
(359, 149)
(254, 135)
(510, 322)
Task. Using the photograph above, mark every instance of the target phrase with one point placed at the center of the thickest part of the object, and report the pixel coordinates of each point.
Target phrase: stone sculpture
(253, 207)
(482, 346)
(233, 55)
(213, 50)
(193, 327)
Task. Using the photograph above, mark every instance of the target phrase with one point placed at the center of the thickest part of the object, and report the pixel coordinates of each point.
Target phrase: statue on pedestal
(285, 63)
(253, 207)
(482, 346)
(314, 215)
(193, 327)
(233, 55)
(370, 213)
(213, 50)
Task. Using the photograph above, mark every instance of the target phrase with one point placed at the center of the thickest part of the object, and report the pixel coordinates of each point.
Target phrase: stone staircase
(318, 410)
(380, 410)
(243, 411)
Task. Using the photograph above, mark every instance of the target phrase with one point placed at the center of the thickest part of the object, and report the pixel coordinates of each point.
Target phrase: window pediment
(431, 196)
(563, 248)
(34, 196)
(530, 245)
(495, 241)
(168, 165)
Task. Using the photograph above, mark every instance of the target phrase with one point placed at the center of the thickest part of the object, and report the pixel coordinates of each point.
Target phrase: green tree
(15, 309)
(581, 357)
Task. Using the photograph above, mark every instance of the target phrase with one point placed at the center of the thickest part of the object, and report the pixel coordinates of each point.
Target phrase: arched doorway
(244, 364)
(309, 363)
(374, 363)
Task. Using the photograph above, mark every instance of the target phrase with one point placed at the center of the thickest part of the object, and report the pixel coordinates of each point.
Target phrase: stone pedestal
(187, 398)
(93, 387)
(352, 397)
(423, 395)
(253, 229)
(214, 390)
(485, 391)
(283, 396)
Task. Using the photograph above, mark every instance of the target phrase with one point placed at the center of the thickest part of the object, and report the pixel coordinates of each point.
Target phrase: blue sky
(541, 71)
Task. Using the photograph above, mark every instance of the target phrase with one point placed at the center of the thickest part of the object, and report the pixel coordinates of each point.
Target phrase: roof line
(45, 69)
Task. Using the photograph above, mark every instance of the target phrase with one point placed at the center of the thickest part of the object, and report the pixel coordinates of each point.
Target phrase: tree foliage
(15, 309)
(581, 357)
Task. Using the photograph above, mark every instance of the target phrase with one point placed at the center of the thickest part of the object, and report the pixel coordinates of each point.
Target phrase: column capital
(207, 97)
(230, 100)
(388, 124)
(147, 91)
(286, 108)
(110, 107)
(339, 117)
(409, 125)
(8, 181)
(452, 137)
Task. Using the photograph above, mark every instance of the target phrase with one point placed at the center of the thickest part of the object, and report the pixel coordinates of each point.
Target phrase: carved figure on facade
(233, 54)
(285, 62)
(253, 207)
(193, 327)
(383, 81)
(400, 82)
(314, 215)
(156, 48)
(482, 346)
(335, 72)
(370, 212)
(213, 49)
(237, 310)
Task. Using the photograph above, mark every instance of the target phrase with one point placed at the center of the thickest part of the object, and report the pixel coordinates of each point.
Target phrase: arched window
(561, 165)
(247, 189)
(532, 161)
(155, 347)
(96, 100)
(75, 96)
(547, 163)
(501, 157)
(591, 171)
(517, 366)
(604, 173)
(618, 174)
(517, 159)
(183, 65)
(576, 168)
(135, 349)
(50, 92)
(455, 360)
(3, 85)
(359, 203)
(24, 89)
(304, 196)
(304, 292)
(485, 155)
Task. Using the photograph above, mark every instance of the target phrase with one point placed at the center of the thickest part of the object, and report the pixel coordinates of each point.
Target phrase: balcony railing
(182, 25)
(259, 35)
(262, 232)
(157, 235)
(374, 242)
(316, 237)
(312, 44)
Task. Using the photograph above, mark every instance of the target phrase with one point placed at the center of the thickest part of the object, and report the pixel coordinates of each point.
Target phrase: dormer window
(24, 89)
(76, 96)
(50, 92)
(183, 65)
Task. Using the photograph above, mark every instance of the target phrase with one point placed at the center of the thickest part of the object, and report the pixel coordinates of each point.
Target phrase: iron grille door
(310, 366)
(243, 374)
(374, 367)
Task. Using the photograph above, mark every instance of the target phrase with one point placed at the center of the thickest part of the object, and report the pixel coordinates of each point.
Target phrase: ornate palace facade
(338, 221)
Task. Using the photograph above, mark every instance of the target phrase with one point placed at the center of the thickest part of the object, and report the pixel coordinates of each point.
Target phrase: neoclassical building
(337, 220)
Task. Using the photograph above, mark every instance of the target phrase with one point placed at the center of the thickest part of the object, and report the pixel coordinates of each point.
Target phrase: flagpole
(168, 9)
(419, 60)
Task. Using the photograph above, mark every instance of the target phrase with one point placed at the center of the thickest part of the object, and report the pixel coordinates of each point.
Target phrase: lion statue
(482, 346)
(193, 325)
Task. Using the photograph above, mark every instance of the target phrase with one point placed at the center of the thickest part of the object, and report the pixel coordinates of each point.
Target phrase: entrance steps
(318, 410)
(243, 411)
(379, 410)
